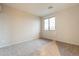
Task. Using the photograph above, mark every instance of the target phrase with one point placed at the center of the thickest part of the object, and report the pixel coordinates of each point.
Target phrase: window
(49, 24)
(46, 24)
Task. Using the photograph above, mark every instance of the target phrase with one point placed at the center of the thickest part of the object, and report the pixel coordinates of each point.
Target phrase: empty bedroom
(39, 29)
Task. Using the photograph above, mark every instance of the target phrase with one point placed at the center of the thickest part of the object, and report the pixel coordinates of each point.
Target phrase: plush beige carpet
(40, 47)
(50, 49)
(68, 49)
(29, 48)
(60, 49)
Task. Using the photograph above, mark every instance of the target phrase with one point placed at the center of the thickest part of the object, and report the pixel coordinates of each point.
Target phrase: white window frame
(49, 24)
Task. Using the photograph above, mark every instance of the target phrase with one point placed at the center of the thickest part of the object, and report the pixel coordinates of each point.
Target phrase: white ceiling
(40, 9)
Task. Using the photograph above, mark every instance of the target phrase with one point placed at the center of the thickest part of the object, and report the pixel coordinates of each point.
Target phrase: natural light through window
(49, 24)
(52, 23)
(46, 24)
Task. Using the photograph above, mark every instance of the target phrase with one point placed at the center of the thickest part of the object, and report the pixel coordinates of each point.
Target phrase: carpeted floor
(40, 47)
(59, 49)
(68, 49)
(24, 49)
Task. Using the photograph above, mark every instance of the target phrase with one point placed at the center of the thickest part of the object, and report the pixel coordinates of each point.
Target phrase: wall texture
(67, 26)
(17, 26)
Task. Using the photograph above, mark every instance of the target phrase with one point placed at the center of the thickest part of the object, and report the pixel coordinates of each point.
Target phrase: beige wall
(17, 26)
(67, 26)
